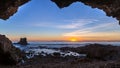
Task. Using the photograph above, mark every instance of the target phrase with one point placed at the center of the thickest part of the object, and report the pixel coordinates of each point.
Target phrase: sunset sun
(73, 39)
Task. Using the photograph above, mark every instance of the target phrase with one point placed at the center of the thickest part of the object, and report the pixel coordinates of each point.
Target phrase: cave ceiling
(10, 7)
(110, 7)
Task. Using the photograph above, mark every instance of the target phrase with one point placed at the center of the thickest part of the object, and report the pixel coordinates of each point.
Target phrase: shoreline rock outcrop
(23, 41)
(96, 51)
(9, 55)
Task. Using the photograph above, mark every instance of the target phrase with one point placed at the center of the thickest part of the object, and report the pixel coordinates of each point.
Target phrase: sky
(42, 20)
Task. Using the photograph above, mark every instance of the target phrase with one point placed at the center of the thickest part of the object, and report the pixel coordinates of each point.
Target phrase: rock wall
(110, 7)
(8, 53)
(9, 7)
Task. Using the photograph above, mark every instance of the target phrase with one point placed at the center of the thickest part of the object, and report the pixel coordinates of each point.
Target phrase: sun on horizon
(73, 39)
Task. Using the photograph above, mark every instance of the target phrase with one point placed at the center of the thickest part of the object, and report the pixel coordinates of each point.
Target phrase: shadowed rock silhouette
(9, 7)
(9, 55)
(23, 41)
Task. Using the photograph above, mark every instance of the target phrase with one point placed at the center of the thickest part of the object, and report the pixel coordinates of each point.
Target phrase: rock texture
(97, 51)
(111, 7)
(8, 53)
(23, 41)
(9, 7)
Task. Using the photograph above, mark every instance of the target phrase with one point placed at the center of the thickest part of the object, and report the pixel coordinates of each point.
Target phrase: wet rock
(56, 54)
(110, 7)
(102, 52)
(9, 7)
(97, 51)
(23, 41)
(8, 53)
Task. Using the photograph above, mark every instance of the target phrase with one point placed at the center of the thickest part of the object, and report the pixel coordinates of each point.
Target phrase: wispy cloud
(99, 30)
(76, 23)
(66, 24)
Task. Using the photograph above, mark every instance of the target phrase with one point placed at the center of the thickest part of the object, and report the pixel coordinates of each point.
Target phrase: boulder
(23, 41)
(9, 55)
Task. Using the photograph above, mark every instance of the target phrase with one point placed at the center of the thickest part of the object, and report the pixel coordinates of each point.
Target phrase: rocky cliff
(110, 7)
(8, 53)
(9, 7)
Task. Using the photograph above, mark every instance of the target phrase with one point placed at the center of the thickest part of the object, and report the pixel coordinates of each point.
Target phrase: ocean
(49, 48)
(64, 44)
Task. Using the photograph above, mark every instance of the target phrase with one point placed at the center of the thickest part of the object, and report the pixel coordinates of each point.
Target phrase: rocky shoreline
(89, 56)
(97, 56)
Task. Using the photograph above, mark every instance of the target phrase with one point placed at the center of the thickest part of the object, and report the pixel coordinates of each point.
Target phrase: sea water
(64, 44)
(43, 48)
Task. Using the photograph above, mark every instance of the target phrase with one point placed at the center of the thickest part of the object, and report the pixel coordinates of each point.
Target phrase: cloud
(105, 29)
(66, 24)
(70, 26)
(76, 23)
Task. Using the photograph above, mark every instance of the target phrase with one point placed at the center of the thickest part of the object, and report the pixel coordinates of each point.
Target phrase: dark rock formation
(97, 51)
(111, 7)
(9, 7)
(23, 41)
(8, 53)
(102, 52)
